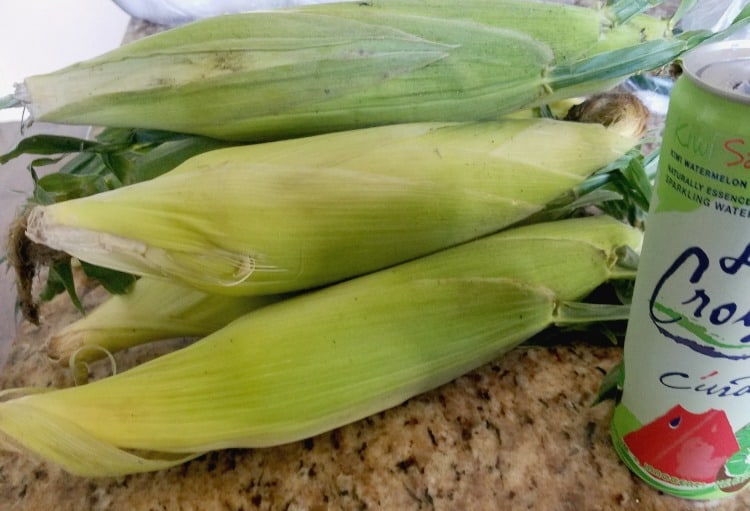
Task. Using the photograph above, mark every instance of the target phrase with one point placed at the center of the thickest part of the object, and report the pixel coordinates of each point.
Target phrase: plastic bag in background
(177, 12)
(714, 15)
(653, 91)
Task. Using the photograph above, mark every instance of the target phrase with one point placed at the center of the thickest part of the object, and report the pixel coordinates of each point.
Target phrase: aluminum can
(683, 421)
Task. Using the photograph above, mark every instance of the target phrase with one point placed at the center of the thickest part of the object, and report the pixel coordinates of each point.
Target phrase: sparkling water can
(683, 421)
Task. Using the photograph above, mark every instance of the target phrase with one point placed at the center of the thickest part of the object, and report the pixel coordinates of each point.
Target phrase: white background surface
(38, 36)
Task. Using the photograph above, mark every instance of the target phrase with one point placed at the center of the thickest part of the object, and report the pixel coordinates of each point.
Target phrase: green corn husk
(268, 75)
(154, 309)
(290, 215)
(314, 362)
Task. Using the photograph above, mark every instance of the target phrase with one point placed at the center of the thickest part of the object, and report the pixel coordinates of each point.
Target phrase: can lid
(723, 68)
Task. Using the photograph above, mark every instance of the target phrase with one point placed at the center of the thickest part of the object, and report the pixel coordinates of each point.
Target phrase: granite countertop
(519, 433)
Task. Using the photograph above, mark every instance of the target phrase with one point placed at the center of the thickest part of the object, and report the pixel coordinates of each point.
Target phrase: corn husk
(155, 309)
(279, 74)
(320, 360)
(291, 215)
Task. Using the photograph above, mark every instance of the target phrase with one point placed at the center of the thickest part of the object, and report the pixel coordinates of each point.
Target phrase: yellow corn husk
(314, 362)
(291, 215)
(268, 75)
(155, 309)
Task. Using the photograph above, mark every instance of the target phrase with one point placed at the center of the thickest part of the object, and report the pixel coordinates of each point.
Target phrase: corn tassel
(314, 362)
(290, 215)
(272, 75)
(155, 309)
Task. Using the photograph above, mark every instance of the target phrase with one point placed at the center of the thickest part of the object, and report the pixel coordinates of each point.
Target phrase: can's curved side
(683, 422)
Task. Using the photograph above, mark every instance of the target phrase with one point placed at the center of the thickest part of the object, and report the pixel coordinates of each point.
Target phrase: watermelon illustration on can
(689, 446)
(683, 422)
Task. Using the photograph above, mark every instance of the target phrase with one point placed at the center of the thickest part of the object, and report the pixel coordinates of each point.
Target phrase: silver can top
(722, 68)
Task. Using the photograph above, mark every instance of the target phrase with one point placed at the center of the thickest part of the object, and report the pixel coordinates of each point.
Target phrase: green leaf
(41, 196)
(116, 282)
(171, 153)
(622, 189)
(631, 177)
(624, 10)
(117, 136)
(624, 290)
(83, 164)
(611, 383)
(59, 187)
(743, 17)
(151, 137)
(120, 166)
(47, 144)
(117, 157)
(639, 182)
(631, 60)
(61, 279)
(42, 162)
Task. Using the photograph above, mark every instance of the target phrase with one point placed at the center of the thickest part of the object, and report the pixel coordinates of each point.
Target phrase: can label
(683, 423)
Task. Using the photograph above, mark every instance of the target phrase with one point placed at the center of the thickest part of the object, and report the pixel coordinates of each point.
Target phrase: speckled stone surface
(518, 433)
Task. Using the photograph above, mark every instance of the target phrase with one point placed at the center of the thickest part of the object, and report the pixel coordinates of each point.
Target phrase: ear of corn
(155, 309)
(290, 215)
(316, 361)
(578, 31)
(270, 75)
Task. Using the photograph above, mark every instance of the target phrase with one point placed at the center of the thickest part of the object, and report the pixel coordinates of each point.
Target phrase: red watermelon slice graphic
(692, 447)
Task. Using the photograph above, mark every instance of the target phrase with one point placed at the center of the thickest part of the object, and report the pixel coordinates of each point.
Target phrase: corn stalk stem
(577, 313)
